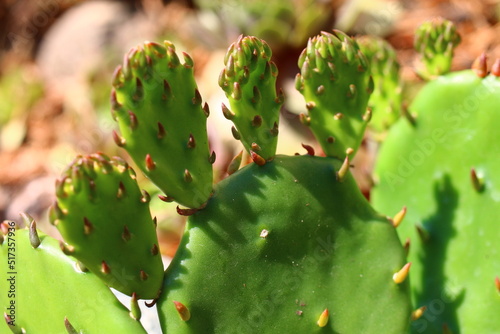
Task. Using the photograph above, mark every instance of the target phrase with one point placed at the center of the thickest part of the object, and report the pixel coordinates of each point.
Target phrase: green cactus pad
(444, 169)
(249, 81)
(336, 84)
(435, 41)
(103, 216)
(386, 99)
(50, 291)
(279, 244)
(163, 123)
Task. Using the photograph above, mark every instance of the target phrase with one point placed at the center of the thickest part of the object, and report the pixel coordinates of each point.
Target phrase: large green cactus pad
(429, 167)
(162, 122)
(48, 288)
(277, 245)
(104, 217)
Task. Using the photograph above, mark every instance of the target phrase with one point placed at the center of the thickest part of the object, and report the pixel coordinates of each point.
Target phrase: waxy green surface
(162, 122)
(104, 218)
(50, 288)
(427, 168)
(278, 244)
(249, 81)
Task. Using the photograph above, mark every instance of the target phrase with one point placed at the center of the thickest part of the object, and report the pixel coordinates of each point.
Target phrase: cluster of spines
(435, 41)
(249, 81)
(162, 121)
(105, 220)
(336, 84)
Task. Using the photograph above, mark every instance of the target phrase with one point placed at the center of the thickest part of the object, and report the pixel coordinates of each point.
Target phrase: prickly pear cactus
(336, 84)
(386, 99)
(249, 81)
(435, 40)
(44, 291)
(306, 243)
(162, 122)
(104, 217)
(289, 244)
(443, 166)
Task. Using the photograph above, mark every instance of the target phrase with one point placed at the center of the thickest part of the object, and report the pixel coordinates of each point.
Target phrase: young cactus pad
(386, 99)
(435, 40)
(444, 169)
(50, 293)
(162, 122)
(249, 81)
(336, 84)
(279, 244)
(104, 217)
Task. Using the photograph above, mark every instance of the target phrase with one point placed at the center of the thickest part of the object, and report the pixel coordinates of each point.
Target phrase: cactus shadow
(233, 201)
(441, 304)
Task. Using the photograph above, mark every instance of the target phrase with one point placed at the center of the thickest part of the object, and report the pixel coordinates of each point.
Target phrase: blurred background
(57, 58)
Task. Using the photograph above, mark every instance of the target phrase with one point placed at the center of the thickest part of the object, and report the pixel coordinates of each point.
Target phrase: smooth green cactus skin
(103, 216)
(305, 243)
(49, 288)
(162, 122)
(386, 99)
(435, 41)
(249, 81)
(427, 167)
(336, 84)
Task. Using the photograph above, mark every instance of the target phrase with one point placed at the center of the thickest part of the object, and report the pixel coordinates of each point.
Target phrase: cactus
(307, 243)
(104, 217)
(435, 41)
(443, 167)
(162, 122)
(337, 105)
(307, 235)
(249, 81)
(285, 244)
(386, 99)
(45, 291)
